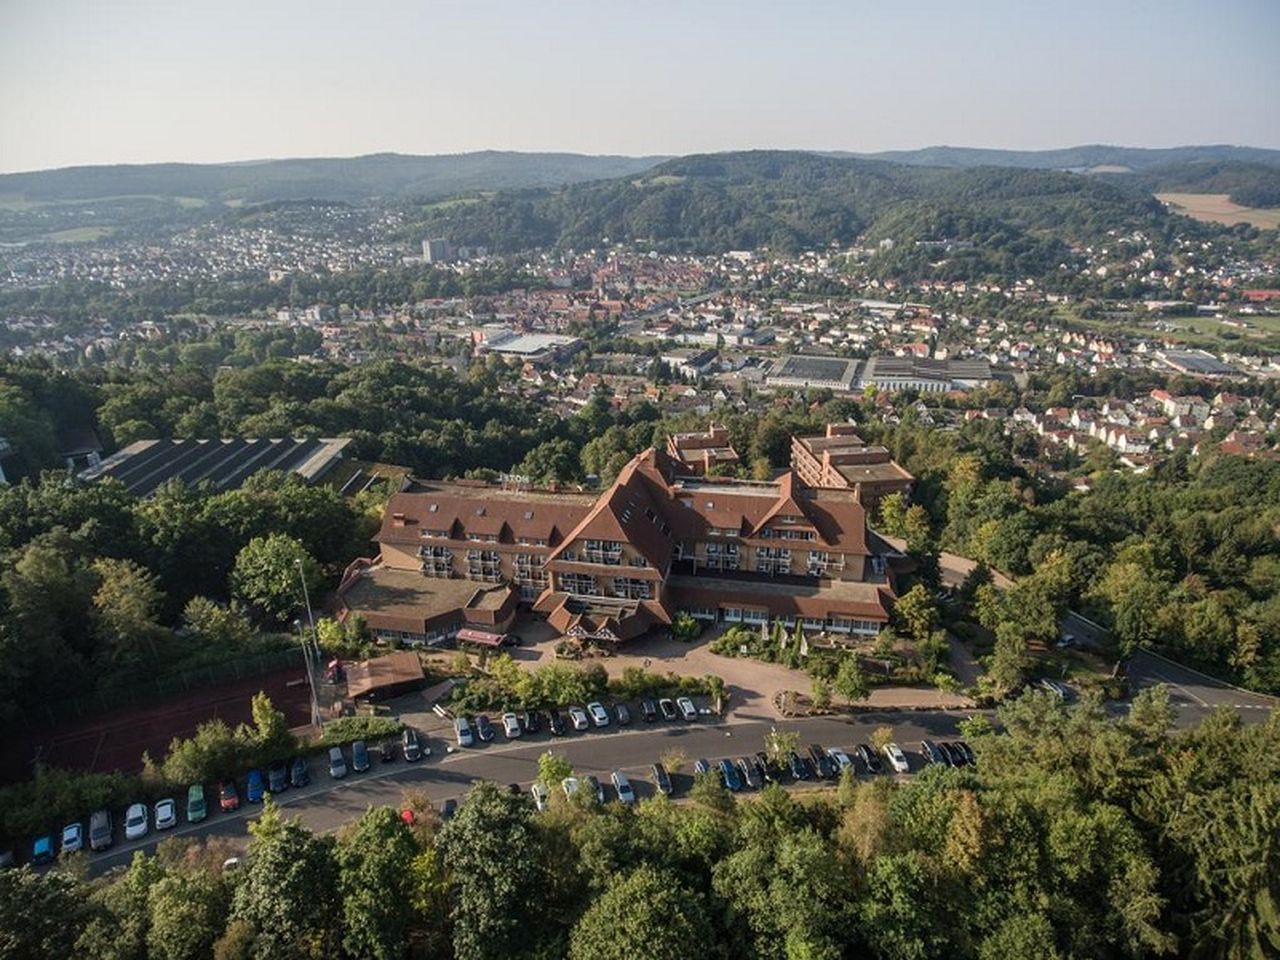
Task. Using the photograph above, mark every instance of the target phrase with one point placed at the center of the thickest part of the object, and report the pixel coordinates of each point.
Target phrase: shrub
(346, 730)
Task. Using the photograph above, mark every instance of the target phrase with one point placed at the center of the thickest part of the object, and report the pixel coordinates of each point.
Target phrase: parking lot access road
(326, 804)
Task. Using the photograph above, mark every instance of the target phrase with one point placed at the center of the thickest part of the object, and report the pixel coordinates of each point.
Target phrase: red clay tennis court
(116, 740)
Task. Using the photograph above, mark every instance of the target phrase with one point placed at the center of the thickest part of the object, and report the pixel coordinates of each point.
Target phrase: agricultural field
(1217, 208)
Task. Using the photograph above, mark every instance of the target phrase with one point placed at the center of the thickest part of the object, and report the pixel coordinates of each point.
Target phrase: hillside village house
(464, 556)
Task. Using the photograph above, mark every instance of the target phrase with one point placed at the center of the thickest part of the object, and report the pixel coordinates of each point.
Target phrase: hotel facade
(660, 541)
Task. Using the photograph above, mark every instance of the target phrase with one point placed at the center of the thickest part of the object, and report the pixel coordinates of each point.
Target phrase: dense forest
(1075, 835)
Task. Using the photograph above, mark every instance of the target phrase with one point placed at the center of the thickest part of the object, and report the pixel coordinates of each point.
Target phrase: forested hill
(792, 200)
(341, 178)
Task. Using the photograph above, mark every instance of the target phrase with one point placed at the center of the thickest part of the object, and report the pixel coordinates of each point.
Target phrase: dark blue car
(729, 775)
(254, 786)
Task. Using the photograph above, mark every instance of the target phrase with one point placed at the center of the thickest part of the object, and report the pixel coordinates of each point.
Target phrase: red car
(228, 796)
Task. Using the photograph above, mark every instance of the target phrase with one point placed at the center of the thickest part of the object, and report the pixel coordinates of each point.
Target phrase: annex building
(660, 541)
(843, 460)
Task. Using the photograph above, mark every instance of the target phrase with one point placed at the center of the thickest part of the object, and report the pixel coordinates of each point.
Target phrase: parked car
(278, 778)
(337, 763)
(448, 809)
(511, 726)
(578, 717)
(228, 796)
(410, 745)
(359, 757)
(596, 788)
(541, 799)
(661, 779)
(701, 766)
(599, 715)
(969, 756)
(1059, 690)
(929, 750)
(648, 710)
(100, 830)
(868, 758)
(484, 729)
(823, 764)
(555, 723)
(136, 821)
(197, 810)
(752, 779)
(799, 769)
(530, 722)
(897, 759)
(687, 710)
(166, 814)
(72, 837)
(950, 754)
(767, 769)
(512, 640)
(729, 776)
(841, 759)
(386, 751)
(254, 786)
(667, 708)
(624, 714)
(623, 786)
(42, 850)
(462, 732)
(570, 786)
(299, 773)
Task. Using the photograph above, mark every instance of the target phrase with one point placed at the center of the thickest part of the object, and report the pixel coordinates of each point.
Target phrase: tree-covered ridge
(789, 201)
(1076, 835)
(1248, 184)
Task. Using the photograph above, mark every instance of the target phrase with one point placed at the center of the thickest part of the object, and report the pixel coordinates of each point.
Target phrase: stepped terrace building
(843, 460)
(464, 556)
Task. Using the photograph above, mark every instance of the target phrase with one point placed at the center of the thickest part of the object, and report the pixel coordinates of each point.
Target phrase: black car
(661, 779)
(448, 809)
(767, 769)
(409, 744)
(514, 789)
(299, 775)
(750, 771)
(624, 714)
(868, 758)
(929, 750)
(668, 709)
(530, 722)
(822, 762)
(555, 723)
(967, 751)
(386, 751)
(951, 754)
(278, 778)
(798, 768)
(648, 710)
(484, 729)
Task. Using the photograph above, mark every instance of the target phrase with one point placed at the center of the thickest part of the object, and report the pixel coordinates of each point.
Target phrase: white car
(540, 796)
(462, 732)
(570, 787)
(842, 760)
(135, 821)
(511, 725)
(897, 759)
(599, 715)
(687, 709)
(166, 814)
(72, 837)
(623, 786)
(578, 717)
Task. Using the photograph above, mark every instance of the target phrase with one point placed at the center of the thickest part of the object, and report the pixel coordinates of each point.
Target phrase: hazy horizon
(86, 83)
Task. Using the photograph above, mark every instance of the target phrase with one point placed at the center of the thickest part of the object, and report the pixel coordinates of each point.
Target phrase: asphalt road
(327, 804)
(1195, 694)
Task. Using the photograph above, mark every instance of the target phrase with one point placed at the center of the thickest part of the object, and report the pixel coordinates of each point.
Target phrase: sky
(127, 81)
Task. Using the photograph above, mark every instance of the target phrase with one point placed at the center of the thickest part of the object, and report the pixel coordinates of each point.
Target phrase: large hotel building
(459, 558)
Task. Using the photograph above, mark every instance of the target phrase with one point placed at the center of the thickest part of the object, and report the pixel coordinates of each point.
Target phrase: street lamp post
(310, 649)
